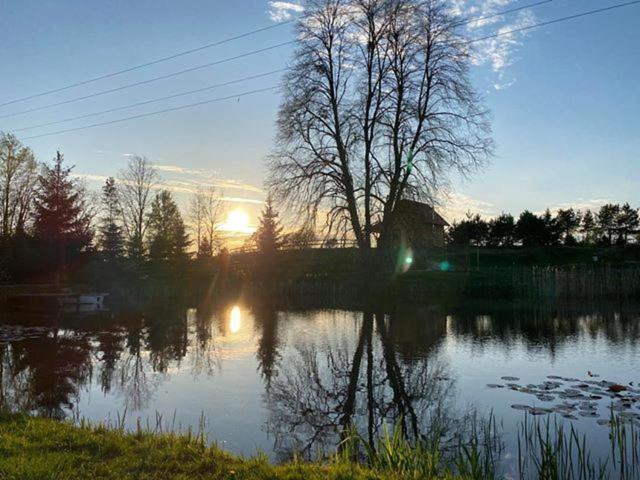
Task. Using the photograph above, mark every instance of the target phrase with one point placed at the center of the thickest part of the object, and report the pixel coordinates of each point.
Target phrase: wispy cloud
(282, 11)
(582, 204)
(174, 186)
(178, 169)
(454, 207)
(498, 52)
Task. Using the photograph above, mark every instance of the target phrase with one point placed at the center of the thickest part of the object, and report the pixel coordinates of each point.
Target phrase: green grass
(36, 448)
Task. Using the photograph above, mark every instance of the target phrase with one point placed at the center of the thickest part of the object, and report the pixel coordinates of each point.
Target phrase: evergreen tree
(551, 229)
(531, 229)
(568, 222)
(502, 231)
(205, 250)
(628, 222)
(268, 235)
(61, 220)
(607, 219)
(111, 239)
(167, 236)
(588, 227)
(471, 231)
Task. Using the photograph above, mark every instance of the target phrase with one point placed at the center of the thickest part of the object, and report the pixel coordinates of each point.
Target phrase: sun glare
(235, 319)
(237, 221)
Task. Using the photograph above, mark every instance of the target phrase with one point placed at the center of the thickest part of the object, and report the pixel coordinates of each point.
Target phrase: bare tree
(136, 183)
(377, 106)
(204, 214)
(18, 178)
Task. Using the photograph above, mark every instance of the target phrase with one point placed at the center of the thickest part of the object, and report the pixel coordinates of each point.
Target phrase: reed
(548, 450)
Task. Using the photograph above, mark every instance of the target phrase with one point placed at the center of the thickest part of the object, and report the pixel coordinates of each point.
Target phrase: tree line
(49, 220)
(611, 224)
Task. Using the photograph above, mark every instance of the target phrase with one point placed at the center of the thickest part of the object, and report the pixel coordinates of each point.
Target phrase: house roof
(412, 211)
(417, 211)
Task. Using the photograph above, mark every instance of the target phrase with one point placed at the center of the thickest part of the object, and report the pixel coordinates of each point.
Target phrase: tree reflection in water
(327, 386)
(322, 371)
(44, 374)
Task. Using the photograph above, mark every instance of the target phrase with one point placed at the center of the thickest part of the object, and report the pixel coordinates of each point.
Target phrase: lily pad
(510, 379)
(545, 398)
(539, 411)
(589, 413)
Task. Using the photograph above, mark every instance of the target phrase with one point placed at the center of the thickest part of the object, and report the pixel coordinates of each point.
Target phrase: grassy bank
(34, 448)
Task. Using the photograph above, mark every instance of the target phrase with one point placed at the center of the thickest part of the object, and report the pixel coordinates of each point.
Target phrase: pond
(279, 380)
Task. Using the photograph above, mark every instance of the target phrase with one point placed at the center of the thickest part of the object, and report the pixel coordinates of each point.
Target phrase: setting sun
(237, 221)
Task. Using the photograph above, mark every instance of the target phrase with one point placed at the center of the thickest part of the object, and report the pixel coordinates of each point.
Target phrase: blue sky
(564, 98)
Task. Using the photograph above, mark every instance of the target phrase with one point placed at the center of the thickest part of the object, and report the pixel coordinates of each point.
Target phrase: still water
(276, 380)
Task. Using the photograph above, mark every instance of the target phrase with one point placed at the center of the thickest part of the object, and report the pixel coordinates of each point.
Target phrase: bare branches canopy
(18, 180)
(377, 106)
(137, 182)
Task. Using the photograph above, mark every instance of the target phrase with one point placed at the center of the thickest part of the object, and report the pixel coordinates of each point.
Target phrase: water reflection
(235, 319)
(354, 378)
(287, 380)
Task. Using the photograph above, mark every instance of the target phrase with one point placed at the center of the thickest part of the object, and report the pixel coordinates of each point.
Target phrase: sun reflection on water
(235, 319)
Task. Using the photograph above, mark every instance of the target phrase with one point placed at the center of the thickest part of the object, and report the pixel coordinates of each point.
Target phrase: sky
(564, 99)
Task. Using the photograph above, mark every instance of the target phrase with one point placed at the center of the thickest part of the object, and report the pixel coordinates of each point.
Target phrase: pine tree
(111, 239)
(531, 229)
(552, 231)
(608, 221)
(268, 235)
(568, 222)
(588, 227)
(167, 237)
(502, 231)
(628, 222)
(61, 218)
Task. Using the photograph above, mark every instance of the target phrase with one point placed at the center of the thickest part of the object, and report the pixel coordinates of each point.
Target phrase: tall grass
(548, 450)
(471, 453)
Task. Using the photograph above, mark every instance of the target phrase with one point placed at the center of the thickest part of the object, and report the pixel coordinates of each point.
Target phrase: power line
(540, 24)
(199, 67)
(146, 102)
(498, 14)
(157, 112)
(148, 64)
(555, 20)
(150, 80)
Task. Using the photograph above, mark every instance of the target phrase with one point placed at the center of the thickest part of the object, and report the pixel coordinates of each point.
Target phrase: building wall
(417, 235)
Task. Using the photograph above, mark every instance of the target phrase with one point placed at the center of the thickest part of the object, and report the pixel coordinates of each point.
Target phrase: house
(416, 225)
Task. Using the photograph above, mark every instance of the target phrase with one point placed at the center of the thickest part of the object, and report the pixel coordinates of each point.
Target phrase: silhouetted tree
(531, 229)
(568, 222)
(268, 236)
(607, 220)
(377, 107)
(61, 219)
(18, 180)
(628, 222)
(552, 231)
(204, 214)
(137, 181)
(167, 237)
(471, 231)
(588, 228)
(502, 231)
(299, 239)
(111, 240)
